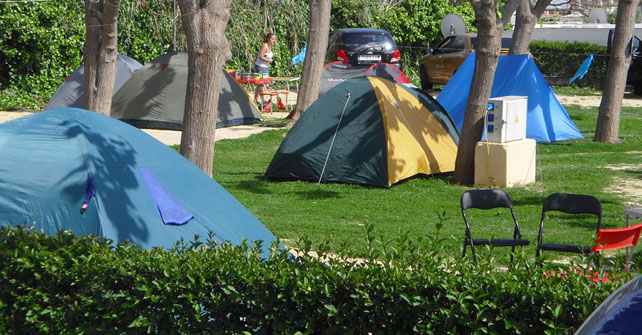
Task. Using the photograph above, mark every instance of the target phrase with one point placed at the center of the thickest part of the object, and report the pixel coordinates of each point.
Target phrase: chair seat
(481, 241)
(565, 248)
(503, 242)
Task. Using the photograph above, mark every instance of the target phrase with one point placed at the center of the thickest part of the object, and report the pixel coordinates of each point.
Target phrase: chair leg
(469, 241)
(629, 256)
(512, 253)
(472, 249)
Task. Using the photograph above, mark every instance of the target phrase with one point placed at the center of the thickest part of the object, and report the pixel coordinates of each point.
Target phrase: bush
(66, 284)
(41, 44)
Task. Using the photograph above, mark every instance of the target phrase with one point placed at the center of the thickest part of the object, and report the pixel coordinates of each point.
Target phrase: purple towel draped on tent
(170, 210)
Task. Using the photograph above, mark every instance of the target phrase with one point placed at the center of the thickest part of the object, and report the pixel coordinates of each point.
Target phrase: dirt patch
(594, 101)
(173, 137)
(629, 189)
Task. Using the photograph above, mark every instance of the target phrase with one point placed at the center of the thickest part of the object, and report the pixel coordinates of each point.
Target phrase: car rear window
(359, 39)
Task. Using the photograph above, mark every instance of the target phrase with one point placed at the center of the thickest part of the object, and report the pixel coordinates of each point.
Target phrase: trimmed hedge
(66, 284)
(559, 61)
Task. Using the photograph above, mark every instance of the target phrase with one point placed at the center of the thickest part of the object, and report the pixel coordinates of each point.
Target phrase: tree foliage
(42, 42)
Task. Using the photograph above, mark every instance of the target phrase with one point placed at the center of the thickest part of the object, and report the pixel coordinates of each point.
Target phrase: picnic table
(254, 81)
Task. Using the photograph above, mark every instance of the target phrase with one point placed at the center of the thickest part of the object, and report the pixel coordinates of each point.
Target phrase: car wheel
(637, 89)
(423, 77)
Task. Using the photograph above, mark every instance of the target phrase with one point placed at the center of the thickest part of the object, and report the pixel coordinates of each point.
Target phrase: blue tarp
(582, 70)
(300, 56)
(53, 161)
(547, 120)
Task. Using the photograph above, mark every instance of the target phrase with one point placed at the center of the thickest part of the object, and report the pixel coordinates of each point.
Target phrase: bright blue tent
(55, 163)
(547, 120)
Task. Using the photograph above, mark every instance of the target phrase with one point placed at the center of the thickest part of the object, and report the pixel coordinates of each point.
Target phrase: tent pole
(327, 157)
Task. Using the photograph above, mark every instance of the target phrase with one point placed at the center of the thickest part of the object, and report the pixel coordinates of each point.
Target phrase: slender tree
(527, 17)
(101, 49)
(608, 118)
(204, 22)
(489, 38)
(314, 56)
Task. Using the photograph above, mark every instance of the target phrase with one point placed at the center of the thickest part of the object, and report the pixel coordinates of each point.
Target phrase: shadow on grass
(319, 195)
(257, 186)
(634, 173)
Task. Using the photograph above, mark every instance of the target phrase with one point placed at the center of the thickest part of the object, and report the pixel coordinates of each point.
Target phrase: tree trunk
(106, 70)
(509, 8)
(488, 46)
(204, 22)
(101, 49)
(608, 118)
(314, 57)
(524, 24)
(92, 43)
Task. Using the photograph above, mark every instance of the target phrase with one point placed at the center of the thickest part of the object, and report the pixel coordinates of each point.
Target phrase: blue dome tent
(547, 120)
(77, 170)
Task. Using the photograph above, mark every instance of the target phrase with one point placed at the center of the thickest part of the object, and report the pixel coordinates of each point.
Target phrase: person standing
(262, 64)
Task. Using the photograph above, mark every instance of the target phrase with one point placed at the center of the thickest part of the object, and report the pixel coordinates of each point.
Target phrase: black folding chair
(569, 204)
(489, 199)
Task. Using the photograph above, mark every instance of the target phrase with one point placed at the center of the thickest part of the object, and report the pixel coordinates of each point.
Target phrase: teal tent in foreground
(77, 170)
(546, 118)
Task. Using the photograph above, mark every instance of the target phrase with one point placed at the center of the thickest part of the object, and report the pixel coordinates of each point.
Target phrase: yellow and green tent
(368, 131)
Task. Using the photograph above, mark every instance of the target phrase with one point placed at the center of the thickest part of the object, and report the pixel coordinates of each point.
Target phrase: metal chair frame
(485, 200)
(569, 204)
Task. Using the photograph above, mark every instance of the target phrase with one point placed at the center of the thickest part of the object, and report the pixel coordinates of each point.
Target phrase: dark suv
(362, 46)
(634, 75)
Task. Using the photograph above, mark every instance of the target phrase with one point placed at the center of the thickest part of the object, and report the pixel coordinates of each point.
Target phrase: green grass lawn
(336, 213)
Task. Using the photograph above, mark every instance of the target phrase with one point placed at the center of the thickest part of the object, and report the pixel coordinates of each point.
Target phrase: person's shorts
(262, 70)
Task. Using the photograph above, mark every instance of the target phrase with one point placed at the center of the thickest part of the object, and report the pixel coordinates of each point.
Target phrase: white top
(262, 63)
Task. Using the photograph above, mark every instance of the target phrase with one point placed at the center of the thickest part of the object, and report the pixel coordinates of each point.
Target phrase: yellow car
(439, 65)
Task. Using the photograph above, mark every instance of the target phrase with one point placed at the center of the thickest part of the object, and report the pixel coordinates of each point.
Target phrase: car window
(451, 45)
(359, 39)
(444, 46)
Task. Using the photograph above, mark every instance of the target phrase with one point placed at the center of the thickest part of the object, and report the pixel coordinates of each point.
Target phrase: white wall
(594, 33)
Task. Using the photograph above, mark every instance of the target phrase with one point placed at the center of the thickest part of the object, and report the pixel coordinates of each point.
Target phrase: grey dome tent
(155, 97)
(71, 93)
